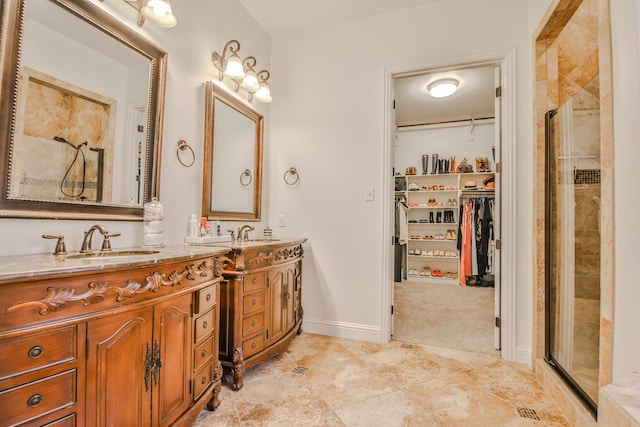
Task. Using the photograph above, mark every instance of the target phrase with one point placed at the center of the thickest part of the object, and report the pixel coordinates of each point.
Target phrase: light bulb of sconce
(264, 93)
(234, 69)
(160, 12)
(250, 82)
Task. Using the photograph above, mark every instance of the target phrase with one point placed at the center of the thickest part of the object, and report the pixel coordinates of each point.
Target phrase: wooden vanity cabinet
(260, 306)
(122, 348)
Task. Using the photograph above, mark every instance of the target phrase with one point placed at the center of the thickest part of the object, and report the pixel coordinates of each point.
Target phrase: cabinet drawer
(38, 398)
(23, 354)
(203, 354)
(204, 325)
(68, 421)
(253, 303)
(202, 380)
(206, 298)
(253, 281)
(252, 324)
(252, 345)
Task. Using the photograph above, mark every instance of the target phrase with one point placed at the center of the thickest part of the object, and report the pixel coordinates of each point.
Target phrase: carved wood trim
(59, 298)
(280, 255)
(220, 264)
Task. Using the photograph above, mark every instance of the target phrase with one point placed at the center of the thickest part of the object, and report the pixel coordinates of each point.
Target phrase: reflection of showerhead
(61, 139)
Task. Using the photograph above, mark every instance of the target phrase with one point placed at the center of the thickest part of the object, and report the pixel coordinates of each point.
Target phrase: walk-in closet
(447, 217)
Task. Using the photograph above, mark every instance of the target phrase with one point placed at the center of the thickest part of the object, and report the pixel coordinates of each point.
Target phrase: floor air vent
(407, 346)
(528, 413)
(300, 370)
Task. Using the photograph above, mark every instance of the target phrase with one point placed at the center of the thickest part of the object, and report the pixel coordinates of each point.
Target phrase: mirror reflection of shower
(74, 181)
(573, 241)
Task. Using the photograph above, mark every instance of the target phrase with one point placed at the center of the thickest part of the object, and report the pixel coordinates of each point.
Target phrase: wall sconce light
(157, 11)
(242, 72)
(443, 88)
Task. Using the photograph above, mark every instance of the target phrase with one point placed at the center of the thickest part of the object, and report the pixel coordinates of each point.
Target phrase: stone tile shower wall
(40, 162)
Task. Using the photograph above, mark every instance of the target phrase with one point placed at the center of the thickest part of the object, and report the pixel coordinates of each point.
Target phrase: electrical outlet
(369, 194)
(282, 220)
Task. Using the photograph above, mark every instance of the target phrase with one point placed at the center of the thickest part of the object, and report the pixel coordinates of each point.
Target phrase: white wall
(327, 121)
(203, 26)
(626, 108)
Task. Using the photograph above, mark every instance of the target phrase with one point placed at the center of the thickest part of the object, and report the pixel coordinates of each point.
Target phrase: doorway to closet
(446, 201)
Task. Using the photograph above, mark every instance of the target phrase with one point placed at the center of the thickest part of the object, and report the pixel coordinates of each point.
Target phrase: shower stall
(572, 231)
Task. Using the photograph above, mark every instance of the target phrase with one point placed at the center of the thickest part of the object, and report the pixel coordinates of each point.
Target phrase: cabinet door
(289, 297)
(118, 394)
(172, 338)
(276, 282)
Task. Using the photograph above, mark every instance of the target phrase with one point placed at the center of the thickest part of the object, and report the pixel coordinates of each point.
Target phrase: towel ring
(182, 146)
(244, 182)
(293, 172)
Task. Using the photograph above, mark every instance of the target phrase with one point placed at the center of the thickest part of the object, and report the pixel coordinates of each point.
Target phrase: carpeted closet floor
(444, 315)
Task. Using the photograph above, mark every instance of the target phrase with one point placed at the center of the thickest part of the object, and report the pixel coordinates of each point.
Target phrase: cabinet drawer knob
(205, 324)
(253, 323)
(255, 280)
(35, 351)
(204, 380)
(204, 352)
(254, 302)
(254, 345)
(208, 297)
(34, 400)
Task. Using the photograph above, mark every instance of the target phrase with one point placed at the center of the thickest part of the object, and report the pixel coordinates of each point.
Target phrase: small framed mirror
(232, 176)
(81, 108)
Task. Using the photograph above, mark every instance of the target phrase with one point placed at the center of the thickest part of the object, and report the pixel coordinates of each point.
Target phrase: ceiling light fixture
(242, 72)
(443, 88)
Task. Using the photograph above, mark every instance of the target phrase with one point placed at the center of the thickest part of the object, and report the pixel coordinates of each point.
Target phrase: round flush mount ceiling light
(443, 88)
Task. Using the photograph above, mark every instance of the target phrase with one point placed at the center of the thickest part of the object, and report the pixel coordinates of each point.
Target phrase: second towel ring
(243, 181)
(293, 172)
(182, 146)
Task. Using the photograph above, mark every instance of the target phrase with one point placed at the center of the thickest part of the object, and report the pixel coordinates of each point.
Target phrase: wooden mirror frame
(10, 45)
(213, 93)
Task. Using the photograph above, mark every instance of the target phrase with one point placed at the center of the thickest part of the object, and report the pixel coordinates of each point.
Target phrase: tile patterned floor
(355, 383)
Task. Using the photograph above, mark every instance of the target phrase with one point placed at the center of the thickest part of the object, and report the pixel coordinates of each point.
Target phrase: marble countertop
(21, 267)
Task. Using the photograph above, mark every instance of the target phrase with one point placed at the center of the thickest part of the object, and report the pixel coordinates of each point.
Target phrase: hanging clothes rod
(446, 122)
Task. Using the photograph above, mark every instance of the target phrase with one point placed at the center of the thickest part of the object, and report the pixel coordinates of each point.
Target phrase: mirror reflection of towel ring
(182, 146)
(243, 181)
(293, 173)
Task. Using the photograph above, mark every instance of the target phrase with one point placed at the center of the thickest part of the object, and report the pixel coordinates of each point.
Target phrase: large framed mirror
(81, 111)
(232, 176)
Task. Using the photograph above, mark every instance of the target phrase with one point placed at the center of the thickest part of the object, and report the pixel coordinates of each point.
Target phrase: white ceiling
(474, 99)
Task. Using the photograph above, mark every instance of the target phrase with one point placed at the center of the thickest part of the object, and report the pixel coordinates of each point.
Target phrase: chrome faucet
(243, 232)
(106, 244)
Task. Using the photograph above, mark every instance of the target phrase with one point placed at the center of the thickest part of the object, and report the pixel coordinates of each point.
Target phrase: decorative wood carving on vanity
(119, 346)
(260, 305)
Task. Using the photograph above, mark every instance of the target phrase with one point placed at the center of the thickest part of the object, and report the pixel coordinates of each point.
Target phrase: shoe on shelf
(426, 271)
(412, 251)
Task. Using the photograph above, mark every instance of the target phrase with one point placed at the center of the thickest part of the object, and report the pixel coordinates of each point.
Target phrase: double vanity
(140, 337)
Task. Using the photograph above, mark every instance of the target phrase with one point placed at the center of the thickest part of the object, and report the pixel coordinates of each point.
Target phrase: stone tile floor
(356, 383)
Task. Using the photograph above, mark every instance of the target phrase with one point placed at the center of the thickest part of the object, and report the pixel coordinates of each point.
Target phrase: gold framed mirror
(232, 175)
(81, 113)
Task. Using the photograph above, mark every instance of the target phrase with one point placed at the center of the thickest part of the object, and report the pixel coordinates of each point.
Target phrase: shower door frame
(548, 357)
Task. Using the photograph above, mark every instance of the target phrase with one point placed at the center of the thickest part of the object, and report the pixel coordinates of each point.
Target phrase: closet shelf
(431, 279)
(433, 257)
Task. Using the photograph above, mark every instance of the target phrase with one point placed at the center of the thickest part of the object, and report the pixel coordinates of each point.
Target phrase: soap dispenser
(153, 223)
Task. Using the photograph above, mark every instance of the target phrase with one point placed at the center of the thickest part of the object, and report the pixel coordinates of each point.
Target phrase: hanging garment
(402, 212)
(474, 237)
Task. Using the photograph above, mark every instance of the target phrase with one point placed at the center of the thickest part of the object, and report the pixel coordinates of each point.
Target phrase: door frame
(505, 60)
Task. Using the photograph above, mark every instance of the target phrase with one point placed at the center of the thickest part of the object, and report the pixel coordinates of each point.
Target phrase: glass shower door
(573, 241)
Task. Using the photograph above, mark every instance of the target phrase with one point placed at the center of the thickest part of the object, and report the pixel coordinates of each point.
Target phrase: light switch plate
(369, 194)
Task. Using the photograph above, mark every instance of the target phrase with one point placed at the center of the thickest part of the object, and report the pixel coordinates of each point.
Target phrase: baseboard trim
(523, 355)
(342, 330)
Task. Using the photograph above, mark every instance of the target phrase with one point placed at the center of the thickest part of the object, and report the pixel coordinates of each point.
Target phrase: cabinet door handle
(254, 345)
(208, 297)
(148, 365)
(34, 400)
(205, 324)
(204, 380)
(253, 323)
(35, 352)
(254, 302)
(255, 280)
(204, 352)
(157, 363)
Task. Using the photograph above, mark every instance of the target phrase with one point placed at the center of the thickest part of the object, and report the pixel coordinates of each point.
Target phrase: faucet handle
(61, 247)
(233, 235)
(106, 243)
